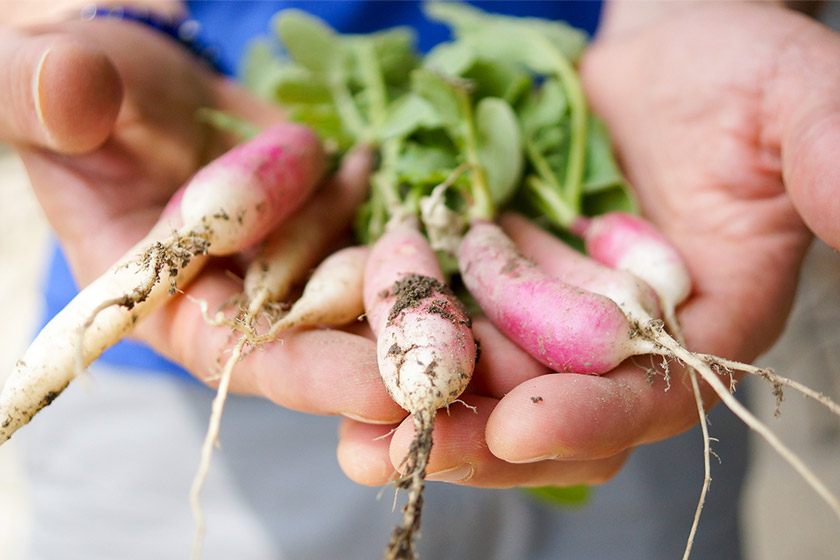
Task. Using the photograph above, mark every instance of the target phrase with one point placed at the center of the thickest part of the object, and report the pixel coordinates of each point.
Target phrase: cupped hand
(726, 122)
(103, 115)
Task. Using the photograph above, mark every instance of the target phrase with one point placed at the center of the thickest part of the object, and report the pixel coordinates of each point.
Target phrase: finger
(60, 92)
(809, 123)
(460, 454)
(363, 452)
(583, 417)
(314, 371)
(501, 364)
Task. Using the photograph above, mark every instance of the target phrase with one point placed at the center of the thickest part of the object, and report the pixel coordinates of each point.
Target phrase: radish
(425, 349)
(565, 327)
(635, 297)
(331, 297)
(499, 112)
(224, 208)
(574, 330)
(628, 242)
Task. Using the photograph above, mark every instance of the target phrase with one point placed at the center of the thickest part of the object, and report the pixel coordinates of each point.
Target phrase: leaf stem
(482, 206)
(573, 181)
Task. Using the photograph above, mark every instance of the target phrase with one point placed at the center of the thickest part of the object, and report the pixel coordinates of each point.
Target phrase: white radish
(226, 207)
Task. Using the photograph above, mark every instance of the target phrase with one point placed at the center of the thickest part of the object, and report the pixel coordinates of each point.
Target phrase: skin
(727, 135)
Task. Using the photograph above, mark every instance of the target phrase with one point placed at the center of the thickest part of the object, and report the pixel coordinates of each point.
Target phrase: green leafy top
(495, 117)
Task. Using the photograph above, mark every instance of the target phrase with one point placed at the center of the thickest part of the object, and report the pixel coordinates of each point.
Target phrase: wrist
(172, 23)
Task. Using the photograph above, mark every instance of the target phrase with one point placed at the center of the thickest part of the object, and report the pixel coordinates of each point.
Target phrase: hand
(725, 119)
(102, 114)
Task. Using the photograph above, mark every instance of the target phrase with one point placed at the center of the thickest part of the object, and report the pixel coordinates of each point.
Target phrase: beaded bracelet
(184, 30)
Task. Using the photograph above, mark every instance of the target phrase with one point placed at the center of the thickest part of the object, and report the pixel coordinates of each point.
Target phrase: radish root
(403, 536)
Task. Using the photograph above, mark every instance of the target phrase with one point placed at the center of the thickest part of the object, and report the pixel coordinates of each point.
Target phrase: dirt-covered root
(707, 467)
(404, 536)
(777, 381)
(673, 346)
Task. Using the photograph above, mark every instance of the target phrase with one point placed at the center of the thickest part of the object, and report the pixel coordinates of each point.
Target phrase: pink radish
(226, 207)
(579, 331)
(628, 242)
(425, 348)
(566, 328)
(634, 297)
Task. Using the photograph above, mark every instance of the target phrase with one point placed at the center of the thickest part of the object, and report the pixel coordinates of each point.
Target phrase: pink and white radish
(574, 330)
(567, 328)
(425, 349)
(224, 208)
(333, 296)
(635, 297)
(629, 242)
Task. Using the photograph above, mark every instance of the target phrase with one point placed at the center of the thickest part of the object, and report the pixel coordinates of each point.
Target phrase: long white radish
(226, 207)
(332, 296)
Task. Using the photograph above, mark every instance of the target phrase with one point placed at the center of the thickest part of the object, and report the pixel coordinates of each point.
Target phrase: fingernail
(546, 457)
(37, 95)
(461, 473)
(364, 419)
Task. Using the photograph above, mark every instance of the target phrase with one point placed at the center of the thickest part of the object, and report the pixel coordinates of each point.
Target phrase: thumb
(809, 125)
(59, 92)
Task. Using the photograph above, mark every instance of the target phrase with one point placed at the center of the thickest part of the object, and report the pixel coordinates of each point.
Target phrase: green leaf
(260, 68)
(408, 114)
(295, 84)
(309, 41)
(426, 163)
(440, 92)
(574, 496)
(602, 171)
(546, 107)
(396, 53)
(531, 41)
(325, 121)
(494, 79)
(451, 59)
(499, 147)
(617, 198)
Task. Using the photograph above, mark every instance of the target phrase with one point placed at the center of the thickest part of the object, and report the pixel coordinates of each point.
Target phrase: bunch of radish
(492, 121)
